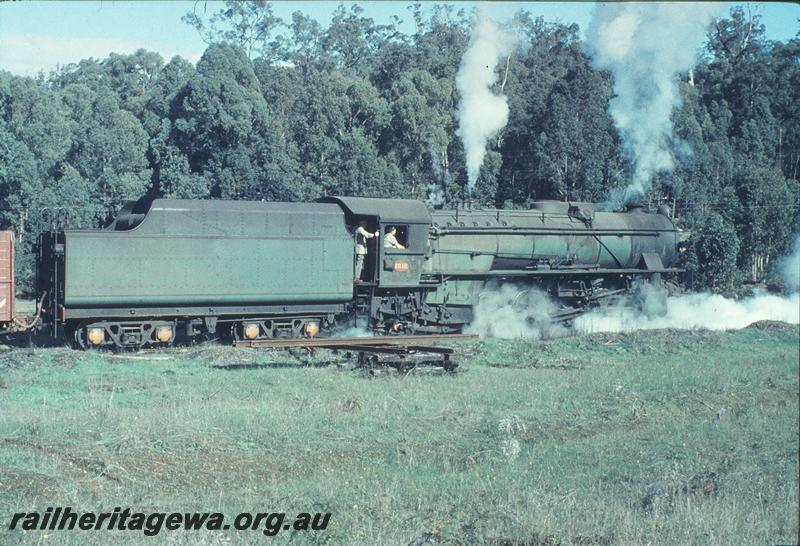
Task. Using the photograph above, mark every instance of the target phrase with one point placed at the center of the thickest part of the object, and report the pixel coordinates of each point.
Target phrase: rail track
(404, 352)
(334, 342)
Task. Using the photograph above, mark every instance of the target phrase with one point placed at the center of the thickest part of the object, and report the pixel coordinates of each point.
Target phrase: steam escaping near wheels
(510, 311)
(789, 268)
(694, 311)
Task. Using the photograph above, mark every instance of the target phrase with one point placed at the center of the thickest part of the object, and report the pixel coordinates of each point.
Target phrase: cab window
(395, 236)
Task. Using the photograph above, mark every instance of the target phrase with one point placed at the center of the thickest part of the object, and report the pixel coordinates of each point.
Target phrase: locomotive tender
(257, 270)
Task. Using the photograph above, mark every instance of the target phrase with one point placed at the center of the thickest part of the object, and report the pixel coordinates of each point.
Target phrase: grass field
(659, 437)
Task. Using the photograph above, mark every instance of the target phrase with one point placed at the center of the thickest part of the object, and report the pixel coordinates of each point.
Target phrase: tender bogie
(123, 334)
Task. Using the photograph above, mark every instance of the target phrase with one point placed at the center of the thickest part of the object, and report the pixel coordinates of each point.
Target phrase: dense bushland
(290, 110)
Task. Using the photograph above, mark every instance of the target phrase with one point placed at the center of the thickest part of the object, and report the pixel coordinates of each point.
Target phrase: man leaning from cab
(361, 247)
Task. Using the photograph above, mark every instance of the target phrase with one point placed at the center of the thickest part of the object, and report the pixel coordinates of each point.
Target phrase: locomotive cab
(402, 267)
(390, 267)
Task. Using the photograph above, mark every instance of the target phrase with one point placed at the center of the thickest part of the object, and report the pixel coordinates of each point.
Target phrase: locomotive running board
(553, 272)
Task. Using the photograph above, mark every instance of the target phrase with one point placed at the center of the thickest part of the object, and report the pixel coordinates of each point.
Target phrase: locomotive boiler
(578, 256)
(168, 268)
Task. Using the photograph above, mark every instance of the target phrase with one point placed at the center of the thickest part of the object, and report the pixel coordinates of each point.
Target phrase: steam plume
(645, 46)
(441, 174)
(695, 311)
(509, 311)
(351, 331)
(481, 113)
(789, 267)
(435, 194)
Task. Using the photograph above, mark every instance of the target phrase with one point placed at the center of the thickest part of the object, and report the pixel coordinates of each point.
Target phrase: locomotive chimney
(635, 206)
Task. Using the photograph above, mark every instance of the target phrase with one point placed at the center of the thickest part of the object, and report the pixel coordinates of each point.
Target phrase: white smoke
(645, 46)
(481, 113)
(435, 195)
(789, 268)
(436, 189)
(351, 331)
(509, 311)
(694, 311)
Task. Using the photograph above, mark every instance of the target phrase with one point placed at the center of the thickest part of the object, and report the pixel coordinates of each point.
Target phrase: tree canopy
(294, 110)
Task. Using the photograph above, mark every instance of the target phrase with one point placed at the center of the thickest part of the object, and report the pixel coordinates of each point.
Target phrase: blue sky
(37, 36)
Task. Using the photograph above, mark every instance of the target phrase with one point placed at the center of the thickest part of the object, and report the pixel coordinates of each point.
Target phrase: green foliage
(785, 83)
(248, 25)
(225, 127)
(296, 110)
(710, 259)
(560, 142)
(421, 108)
(764, 218)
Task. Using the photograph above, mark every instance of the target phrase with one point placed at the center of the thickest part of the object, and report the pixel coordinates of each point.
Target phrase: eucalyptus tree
(421, 129)
(224, 126)
(248, 24)
(560, 142)
(108, 148)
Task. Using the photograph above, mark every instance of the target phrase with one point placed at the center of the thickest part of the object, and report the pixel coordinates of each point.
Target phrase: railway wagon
(6, 279)
(259, 270)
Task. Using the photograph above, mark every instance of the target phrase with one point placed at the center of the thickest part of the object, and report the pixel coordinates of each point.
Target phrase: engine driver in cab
(390, 239)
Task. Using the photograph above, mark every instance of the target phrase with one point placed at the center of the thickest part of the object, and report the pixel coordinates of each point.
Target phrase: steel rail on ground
(350, 342)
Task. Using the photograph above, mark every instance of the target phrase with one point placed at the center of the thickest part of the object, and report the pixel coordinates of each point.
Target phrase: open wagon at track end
(7, 287)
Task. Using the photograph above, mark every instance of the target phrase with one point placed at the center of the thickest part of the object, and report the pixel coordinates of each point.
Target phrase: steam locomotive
(168, 268)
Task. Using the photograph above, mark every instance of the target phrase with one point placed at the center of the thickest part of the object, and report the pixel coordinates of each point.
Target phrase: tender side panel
(6, 276)
(301, 257)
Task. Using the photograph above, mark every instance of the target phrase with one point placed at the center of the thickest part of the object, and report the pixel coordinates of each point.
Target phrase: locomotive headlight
(164, 333)
(96, 336)
(312, 329)
(251, 330)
